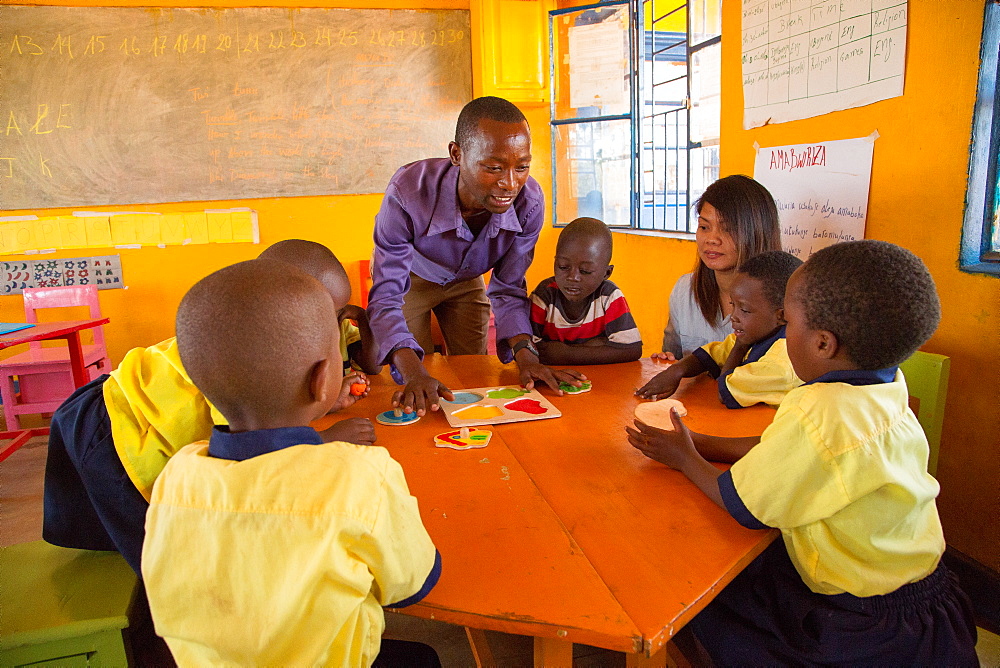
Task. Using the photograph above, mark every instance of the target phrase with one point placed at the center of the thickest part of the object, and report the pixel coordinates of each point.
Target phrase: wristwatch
(525, 343)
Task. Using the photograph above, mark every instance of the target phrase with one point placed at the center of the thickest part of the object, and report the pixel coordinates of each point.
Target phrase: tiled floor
(21, 479)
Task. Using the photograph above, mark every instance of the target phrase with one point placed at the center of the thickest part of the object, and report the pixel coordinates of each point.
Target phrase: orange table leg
(658, 660)
(481, 651)
(553, 653)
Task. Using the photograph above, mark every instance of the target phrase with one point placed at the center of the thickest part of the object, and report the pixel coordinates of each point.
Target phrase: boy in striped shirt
(578, 316)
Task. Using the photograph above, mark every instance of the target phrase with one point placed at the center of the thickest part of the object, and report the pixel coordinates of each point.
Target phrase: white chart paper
(598, 62)
(803, 58)
(821, 191)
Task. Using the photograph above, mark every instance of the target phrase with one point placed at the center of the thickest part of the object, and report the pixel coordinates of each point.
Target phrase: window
(679, 108)
(635, 111)
(980, 250)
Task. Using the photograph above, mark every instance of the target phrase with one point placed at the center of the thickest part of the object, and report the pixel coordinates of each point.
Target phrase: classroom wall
(917, 199)
(158, 278)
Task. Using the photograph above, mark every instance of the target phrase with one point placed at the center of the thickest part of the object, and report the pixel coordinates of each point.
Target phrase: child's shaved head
(588, 231)
(316, 260)
(250, 335)
(876, 297)
(772, 269)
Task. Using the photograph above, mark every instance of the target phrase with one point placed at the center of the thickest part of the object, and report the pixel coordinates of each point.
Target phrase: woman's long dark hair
(750, 217)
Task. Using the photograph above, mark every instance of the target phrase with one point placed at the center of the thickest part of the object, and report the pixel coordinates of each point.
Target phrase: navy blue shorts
(90, 502)
(768, 616)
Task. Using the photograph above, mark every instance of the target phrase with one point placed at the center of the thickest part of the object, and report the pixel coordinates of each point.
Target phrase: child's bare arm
(557, 352)
(727, 450)
(364, 354)
(665, 383)
(677, 450)
(736, 356)
(351, 430)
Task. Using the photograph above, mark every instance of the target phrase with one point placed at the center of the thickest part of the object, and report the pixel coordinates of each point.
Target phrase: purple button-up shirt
(420, 229)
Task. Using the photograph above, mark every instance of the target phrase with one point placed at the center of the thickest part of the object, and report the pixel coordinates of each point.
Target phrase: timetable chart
(803, 58)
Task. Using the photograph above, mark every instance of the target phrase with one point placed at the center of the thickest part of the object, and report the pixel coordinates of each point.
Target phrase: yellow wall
(917, 195)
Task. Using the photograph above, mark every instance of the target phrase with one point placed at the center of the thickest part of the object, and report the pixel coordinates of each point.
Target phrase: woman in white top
(737, 219)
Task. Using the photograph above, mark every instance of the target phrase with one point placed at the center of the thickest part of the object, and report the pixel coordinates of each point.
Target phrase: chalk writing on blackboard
(126, 105)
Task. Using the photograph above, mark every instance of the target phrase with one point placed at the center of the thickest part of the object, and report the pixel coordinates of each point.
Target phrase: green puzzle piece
(506, 393)
(572, 389)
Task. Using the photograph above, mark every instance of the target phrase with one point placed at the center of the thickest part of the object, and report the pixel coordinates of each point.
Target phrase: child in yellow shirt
(751, 365)
(842, 472)
(267, 544)
(111, 438)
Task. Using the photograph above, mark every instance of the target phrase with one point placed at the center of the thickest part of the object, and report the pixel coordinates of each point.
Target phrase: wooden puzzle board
(497, 405)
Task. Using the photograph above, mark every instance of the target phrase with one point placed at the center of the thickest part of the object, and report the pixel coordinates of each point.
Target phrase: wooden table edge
(529, 627)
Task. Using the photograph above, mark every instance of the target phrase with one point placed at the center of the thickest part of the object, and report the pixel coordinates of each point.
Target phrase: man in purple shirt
(444, 222)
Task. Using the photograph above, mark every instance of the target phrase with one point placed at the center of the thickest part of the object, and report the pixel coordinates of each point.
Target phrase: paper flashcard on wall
(497, 405)
(104, 271)
(803, 58)
(126, 229)
(47, 273)
(821, 191)
(16, 277)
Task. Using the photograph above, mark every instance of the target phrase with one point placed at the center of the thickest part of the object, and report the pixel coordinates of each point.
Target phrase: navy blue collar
(858, 376)
(224, 444)
(758, 349)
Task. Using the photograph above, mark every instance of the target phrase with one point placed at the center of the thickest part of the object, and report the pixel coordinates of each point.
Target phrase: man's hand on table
(422, 391)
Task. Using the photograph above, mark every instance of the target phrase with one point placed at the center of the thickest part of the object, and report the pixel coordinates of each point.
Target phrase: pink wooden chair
(43, 373)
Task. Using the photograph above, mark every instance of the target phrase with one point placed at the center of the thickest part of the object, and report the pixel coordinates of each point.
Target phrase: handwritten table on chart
(804, 58)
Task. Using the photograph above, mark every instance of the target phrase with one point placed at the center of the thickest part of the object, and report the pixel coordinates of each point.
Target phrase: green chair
(63, 607)
(927, 381)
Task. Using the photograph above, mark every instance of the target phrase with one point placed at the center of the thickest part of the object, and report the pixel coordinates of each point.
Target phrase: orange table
(69, 330)
(559, 529)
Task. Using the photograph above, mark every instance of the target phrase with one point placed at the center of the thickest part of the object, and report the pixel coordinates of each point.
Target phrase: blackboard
(131, 105)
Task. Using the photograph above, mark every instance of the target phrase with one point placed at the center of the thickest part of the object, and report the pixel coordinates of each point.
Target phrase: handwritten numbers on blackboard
(252, 45)
(95, 45)
(61, 43)
(129, 47)
(24, 45)
(222, 96)
(348, 38)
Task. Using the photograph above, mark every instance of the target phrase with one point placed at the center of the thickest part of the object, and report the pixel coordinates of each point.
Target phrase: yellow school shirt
(154, 410)
(766, 378)
(349, 334)
(283, 559)
(842, 471)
